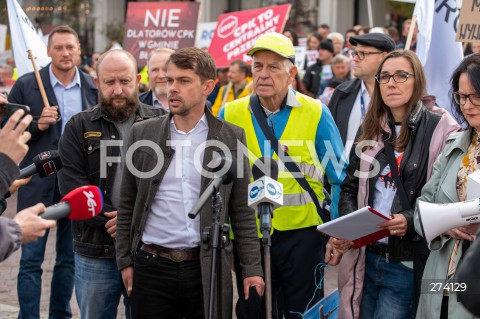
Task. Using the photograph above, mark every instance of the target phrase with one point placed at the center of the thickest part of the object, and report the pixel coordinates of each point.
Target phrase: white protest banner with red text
(237, 31)
(151, 25)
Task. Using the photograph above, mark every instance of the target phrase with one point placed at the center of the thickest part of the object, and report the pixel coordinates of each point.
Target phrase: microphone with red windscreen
(82, 203)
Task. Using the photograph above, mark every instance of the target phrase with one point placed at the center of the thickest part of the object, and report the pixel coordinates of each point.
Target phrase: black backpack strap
(259, 114)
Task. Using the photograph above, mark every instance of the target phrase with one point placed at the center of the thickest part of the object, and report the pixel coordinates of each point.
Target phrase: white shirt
(69, 98)
(168, 224)
(355, 119)
(385, 188)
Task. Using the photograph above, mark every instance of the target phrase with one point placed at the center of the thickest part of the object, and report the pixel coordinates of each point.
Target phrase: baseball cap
(275, 42)
(380, 41)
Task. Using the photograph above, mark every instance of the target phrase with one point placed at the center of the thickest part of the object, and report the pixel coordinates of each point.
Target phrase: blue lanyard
(362, 106)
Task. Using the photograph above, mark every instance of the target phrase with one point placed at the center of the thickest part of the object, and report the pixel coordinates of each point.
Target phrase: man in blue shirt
(68, 92)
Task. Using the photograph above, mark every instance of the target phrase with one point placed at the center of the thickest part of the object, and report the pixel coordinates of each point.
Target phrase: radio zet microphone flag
(82, 203)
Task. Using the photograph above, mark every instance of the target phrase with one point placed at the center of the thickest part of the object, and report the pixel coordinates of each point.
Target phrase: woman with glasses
(448, 184)
(392, 158)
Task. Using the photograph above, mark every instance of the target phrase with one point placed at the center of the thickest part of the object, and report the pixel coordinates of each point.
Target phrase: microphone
(265, 193)
(265, 189)
(220, 164)
(45, 164)
(82, 203)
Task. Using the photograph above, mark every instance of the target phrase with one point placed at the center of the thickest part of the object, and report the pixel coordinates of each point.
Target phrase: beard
(160, 91)
(120, 113)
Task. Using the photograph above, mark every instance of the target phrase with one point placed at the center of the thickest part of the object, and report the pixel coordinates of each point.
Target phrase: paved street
(9, 271)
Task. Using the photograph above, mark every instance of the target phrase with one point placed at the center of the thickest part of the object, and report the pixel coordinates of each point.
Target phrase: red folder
(365, 240)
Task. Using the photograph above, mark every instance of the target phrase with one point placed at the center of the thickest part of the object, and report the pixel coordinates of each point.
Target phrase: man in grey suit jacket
(165, 270)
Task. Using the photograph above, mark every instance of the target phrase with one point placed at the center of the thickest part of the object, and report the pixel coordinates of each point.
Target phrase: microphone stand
(265, 216)
(211, 236)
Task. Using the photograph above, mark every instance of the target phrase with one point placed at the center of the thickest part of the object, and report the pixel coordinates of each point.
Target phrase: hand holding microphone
(31, 225)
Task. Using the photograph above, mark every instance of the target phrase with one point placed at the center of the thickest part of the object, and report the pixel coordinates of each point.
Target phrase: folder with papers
(360, 226)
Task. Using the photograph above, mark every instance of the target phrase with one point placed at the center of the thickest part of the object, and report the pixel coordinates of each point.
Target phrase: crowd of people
(355, 128)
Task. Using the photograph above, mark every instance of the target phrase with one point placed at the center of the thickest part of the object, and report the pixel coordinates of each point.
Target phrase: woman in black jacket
(398, 129)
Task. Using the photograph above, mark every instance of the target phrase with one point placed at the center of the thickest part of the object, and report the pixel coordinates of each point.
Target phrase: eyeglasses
(361, 54)
(462, 98)
(399, 77)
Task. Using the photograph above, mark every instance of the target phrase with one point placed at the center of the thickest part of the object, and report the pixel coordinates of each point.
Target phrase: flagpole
(35, 69)
(39, 79)
(370, 16)
(410, 32)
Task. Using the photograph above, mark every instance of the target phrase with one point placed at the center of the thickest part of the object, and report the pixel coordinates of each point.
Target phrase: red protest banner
(151, 25)
(237, 31)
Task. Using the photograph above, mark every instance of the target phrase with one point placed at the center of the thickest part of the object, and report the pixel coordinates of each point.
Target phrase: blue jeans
(98, 287)
(387, 289)
(29, 281)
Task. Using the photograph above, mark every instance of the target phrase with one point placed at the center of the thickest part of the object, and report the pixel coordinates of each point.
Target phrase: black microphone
(265, 166)
(220, 164)
(45, 164)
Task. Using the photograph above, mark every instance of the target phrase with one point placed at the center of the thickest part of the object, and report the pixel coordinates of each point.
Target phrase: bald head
(117, 55)
(156, 63)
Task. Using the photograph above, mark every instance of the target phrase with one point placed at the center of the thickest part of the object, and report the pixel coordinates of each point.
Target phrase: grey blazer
(138, 194)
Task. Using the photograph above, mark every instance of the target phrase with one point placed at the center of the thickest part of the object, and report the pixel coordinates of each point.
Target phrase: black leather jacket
(312, 78)
(413, 172)
(80, 149)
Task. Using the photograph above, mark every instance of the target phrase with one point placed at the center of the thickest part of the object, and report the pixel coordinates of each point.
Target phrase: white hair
(377, 30)
(335, 36)
(288, 64)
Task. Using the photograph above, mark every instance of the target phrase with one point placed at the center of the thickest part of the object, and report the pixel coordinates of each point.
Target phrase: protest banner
(468, 29)
(3, 37)
(436, 46)
(312, 56)
(25, 39)
(205, 31)
(236, 32)
(151, 25)
(300, 57)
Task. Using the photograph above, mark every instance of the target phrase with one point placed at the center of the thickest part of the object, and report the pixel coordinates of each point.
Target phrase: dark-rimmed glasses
(399, 77)
(361, 54)
(462, 98)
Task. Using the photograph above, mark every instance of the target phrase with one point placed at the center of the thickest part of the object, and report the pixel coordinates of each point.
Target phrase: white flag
(436, 46)
(24, 38)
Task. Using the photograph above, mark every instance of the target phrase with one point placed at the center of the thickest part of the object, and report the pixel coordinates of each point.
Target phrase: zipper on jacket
(354, 284)
(387, 257)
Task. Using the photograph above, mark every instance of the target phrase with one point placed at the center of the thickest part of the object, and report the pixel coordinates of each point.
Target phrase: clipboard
(359, 226)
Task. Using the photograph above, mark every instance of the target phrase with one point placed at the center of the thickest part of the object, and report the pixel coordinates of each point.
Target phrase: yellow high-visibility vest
(299, 210)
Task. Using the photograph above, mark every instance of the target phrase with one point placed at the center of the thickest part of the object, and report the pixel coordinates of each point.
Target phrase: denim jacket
(80, 148)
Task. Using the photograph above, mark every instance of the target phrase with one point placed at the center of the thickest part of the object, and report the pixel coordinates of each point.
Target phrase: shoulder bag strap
(286, 159)
(394, 169)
